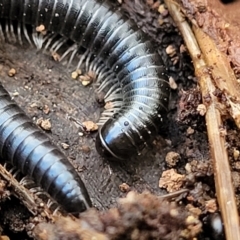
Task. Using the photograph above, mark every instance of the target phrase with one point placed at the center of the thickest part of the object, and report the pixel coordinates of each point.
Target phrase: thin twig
(223, 181)
(30, 201)
(170, 196)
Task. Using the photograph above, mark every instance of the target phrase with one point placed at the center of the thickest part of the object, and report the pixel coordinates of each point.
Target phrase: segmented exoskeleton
(139, 81)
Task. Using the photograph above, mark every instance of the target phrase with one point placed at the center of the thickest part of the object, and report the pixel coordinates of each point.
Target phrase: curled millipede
(132, 76)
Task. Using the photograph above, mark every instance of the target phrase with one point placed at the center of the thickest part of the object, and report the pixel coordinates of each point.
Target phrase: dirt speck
(171, 50)
(211, 205)
(172, 83)
(171, 180)
(56, 57)
(46, 109)
(65, 146)
(190, 131)
(90, 126)
(12, 72)
(124, 187)
(172, 158)
(41, 29)
(76, 74)
(85, 149)
(201, 108)
(85, 80)
(45, 124)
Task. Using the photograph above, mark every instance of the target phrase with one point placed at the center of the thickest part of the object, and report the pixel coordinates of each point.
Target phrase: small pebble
(64, 146)
(172, 83)
(162, 10)
(124, 187)
(45, 124)
(172, 158)
(190, 131)
(171, 50)
(41, 29)
(211, 205)
(188, 168)
(236, 154)
(86, 83)
(76, 74)
(12, 72)
(191, 220)
(201, 109)
(15, 94)
(46, 109)
(85, 79)
(90, 126)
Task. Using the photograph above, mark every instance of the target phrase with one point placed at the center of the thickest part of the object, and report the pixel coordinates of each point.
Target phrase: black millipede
(30, 150)
(138, 80)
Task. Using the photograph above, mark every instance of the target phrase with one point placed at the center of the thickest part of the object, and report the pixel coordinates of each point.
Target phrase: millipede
(129, 71)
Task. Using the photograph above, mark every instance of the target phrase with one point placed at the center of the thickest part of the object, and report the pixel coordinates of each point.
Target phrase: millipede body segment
(142, 81)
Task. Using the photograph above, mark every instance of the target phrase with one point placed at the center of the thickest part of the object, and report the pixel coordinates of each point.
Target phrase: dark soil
(42, 82)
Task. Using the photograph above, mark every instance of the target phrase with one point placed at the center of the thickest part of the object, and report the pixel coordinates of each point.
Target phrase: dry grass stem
(30, 201)
(210, 65)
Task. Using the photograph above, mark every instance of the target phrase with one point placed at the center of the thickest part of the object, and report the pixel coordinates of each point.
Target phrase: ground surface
(40, 81)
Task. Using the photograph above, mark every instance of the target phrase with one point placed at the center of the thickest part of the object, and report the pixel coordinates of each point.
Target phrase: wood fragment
(29, 200)
(223, 181)
(221, 73)
(172, 195)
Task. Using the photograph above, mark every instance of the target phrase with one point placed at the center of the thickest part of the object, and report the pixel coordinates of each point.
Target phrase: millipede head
(113, 143)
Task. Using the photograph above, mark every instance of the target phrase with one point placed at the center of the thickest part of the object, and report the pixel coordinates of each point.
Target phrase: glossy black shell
(31, 151)
(97, 26)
